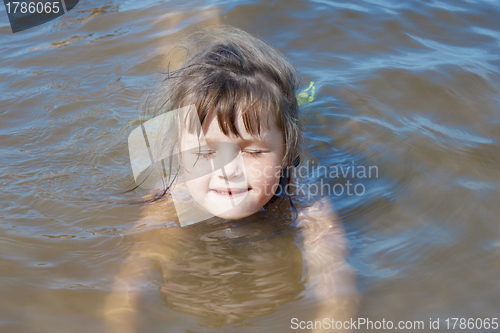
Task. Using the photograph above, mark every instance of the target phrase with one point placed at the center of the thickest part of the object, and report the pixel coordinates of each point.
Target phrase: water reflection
(404, 85)
(228, 271)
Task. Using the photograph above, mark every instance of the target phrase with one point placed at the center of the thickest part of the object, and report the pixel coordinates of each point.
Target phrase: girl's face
(243, 172)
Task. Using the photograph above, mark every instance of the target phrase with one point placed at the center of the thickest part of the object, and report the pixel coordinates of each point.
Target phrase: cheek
(263, 177)
(198, 185)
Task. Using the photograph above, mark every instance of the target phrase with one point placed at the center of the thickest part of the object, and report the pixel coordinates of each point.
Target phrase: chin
(234, 215)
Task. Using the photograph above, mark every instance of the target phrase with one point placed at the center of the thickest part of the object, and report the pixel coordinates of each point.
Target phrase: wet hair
(228, 73)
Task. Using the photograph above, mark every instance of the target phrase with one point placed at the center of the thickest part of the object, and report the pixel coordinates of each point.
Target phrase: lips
(230, 192)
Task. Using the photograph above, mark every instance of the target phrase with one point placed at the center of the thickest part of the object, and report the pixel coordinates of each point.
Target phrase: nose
(232, 170)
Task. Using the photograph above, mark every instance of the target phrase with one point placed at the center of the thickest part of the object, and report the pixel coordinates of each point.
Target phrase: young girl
(223, 147)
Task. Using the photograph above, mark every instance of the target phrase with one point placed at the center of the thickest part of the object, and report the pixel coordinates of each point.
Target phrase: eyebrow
(252, 140)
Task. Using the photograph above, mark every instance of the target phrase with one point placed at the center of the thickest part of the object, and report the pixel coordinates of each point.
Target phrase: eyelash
(253, 153)
(207, 155)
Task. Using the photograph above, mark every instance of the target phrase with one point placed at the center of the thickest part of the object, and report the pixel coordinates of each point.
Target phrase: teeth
(230, 192)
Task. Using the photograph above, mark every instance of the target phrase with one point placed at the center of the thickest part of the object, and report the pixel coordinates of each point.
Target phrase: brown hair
(226, 71)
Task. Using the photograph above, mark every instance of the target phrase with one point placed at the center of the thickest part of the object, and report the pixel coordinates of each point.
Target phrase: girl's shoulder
(307, 197)
(318, 214)
(314, 210)
(158, 211)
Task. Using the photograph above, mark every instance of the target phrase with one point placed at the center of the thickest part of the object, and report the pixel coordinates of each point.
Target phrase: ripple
(410, 87)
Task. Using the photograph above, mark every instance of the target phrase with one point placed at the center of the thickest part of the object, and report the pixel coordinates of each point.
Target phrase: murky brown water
(411, 87)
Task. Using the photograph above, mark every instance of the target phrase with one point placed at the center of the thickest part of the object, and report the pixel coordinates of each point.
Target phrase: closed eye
(205, 154)
(253, 153)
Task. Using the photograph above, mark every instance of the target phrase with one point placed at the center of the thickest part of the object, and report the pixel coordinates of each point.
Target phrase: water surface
(411, 87)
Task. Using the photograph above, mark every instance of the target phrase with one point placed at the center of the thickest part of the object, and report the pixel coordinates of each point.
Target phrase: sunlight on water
(410, 88)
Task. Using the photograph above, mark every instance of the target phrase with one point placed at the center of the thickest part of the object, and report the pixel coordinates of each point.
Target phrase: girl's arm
(329, 275)
(135, 272)
(120, 306)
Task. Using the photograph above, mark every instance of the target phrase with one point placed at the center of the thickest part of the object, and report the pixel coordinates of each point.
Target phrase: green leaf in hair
(307, 95)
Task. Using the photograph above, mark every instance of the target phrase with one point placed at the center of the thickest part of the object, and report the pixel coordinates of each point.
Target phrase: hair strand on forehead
(228, 73)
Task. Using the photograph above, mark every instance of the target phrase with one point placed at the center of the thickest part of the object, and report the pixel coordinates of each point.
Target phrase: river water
(409, 88)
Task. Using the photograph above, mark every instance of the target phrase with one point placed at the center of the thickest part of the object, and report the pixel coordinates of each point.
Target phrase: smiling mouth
(230, 192)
